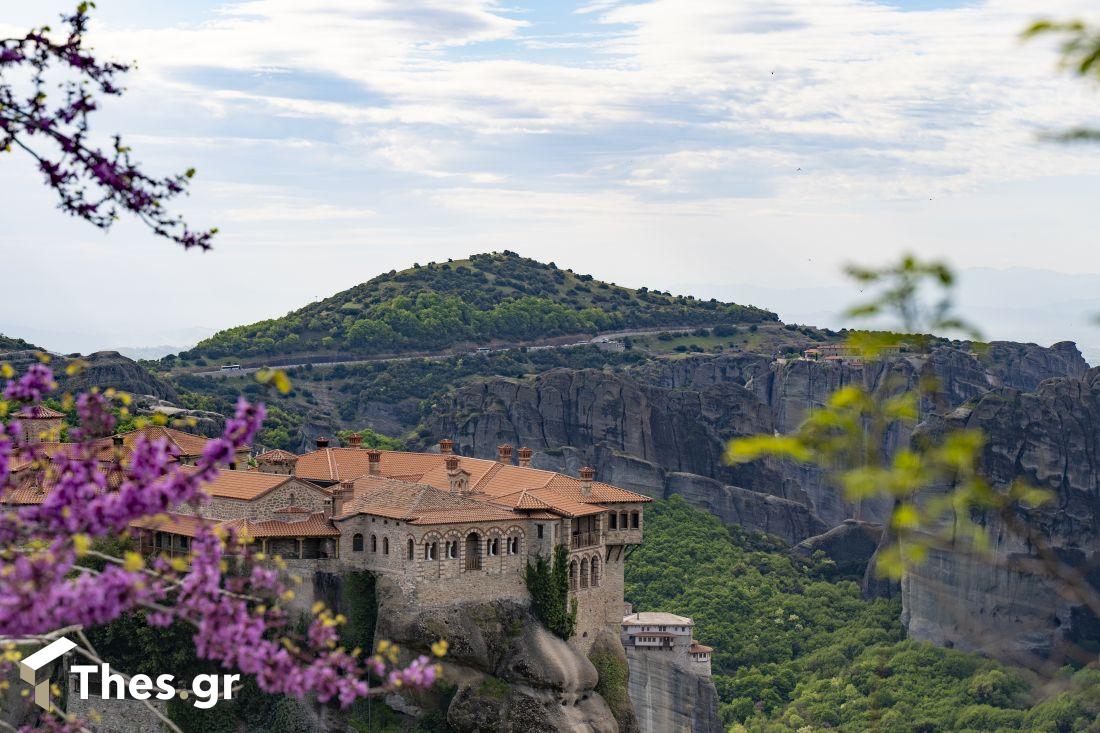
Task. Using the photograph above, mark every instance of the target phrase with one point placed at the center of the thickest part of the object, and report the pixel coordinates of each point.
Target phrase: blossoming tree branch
(56, 577)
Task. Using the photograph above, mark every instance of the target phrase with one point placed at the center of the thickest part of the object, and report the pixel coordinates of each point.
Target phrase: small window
(513, 545)
(494, 547)
(412, 550)
(612, 521)
(385, 545)
(452, 550)
(623, 520)
(636, 520)
(374, 543)
(595, 572)
(430, 550)
(357, 543)
(538, 529)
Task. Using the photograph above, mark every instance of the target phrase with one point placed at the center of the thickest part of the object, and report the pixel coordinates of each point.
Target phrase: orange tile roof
(422, 504)
(188, 444)
(187, 525)
(697, 648)
(248, 485)
(277, 456)
(492, 481)
(39, 412)
(316, 525)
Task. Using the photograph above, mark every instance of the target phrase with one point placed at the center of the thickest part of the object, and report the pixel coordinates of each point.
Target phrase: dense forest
(499, 296)
(798, 650)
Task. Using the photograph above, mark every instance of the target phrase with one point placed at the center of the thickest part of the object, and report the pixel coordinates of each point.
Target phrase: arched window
(357, 543)
(473, 551)
(431, 550)
(612, 521)
(385, 545)
(623, 520)
(584, 573)
(452, 550)
(636, 520)
(573, 575)
(494, 547)
(374, 543)
(595, 572)
(513, 545)
(412, 550)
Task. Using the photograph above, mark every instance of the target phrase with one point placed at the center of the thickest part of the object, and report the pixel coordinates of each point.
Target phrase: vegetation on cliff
(487, 297)
(795, 652)
(548, 582)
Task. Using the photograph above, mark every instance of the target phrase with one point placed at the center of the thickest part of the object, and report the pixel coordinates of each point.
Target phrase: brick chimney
(117, 441)
(504, 453)
(524, 457)
(355, 440)
(454, 473)
(342, 493)
(587, 474)
(322, 442)
(374, 461)
(446, 446)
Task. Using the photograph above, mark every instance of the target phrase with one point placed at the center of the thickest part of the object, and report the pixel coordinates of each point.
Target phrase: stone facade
(294, 492)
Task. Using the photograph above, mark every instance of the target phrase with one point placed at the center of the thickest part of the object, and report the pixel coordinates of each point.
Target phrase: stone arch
(431, 546)
(573, 575)
(451, 545)
(357, 542)
(473, 551)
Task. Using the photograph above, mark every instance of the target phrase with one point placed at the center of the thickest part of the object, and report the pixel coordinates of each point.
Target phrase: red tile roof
(250, 485)
(39, 412)
(420, 504)
(277, 456)
(515, 487)
(188, 444)
(187, 525)
(315, 525)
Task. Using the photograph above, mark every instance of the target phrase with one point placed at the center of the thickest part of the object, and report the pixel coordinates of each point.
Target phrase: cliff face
(670, 699)
(504, 671)
(1006, 604)
(661, 428)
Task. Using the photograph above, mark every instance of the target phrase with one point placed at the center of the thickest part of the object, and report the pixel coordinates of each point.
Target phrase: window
(494, 547)
(513, 545)
(636, 520)
(595, 572)
(431, 550)
(538, 530)
(374, 543)
(385, 545)
(357, 543)
(412, 550)
(612, 521)
(473, 551)
(584, 573)
(452, 550)
(573, 575)
(623, 520)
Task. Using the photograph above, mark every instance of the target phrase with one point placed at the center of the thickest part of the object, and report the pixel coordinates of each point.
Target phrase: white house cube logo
(35, 670)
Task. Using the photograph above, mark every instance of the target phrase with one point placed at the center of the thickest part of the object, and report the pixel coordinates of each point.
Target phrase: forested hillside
(499, 296)
(798, 650)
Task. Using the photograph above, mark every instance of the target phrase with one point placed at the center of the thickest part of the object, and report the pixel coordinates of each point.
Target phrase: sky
(736, 149)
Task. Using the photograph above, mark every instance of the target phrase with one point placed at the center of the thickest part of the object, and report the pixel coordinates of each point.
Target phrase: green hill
(489, 297)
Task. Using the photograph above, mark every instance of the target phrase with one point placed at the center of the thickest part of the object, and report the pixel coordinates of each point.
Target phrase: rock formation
(670, 699)
(1006, 605)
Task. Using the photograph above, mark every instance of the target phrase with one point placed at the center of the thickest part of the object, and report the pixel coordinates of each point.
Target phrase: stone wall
(298, 493)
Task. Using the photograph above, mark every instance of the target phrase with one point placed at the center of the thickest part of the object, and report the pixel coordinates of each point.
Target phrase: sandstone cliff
(1005, 605)
(660, 428)
(504, 671)
(669, 698)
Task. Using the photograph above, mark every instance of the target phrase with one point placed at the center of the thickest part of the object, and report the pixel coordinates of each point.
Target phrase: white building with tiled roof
(665, 634)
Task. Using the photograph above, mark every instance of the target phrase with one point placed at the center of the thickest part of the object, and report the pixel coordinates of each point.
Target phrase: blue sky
(745, 149)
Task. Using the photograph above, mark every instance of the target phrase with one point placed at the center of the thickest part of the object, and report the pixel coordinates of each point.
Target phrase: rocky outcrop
(670, 699)
(850, 545)
(675, 416)
(1006, 604)
(507, 672)
(105, 369)
(791, 521)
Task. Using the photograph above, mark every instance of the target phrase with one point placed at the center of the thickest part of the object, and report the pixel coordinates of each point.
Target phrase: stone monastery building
(444, 527)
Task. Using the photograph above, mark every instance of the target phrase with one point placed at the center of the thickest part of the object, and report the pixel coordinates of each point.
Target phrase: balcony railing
(585, 539)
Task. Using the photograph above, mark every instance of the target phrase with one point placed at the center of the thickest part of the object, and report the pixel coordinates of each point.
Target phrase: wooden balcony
(585, 539)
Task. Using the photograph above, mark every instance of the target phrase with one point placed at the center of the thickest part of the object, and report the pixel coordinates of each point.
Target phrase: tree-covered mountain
(489, 297)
